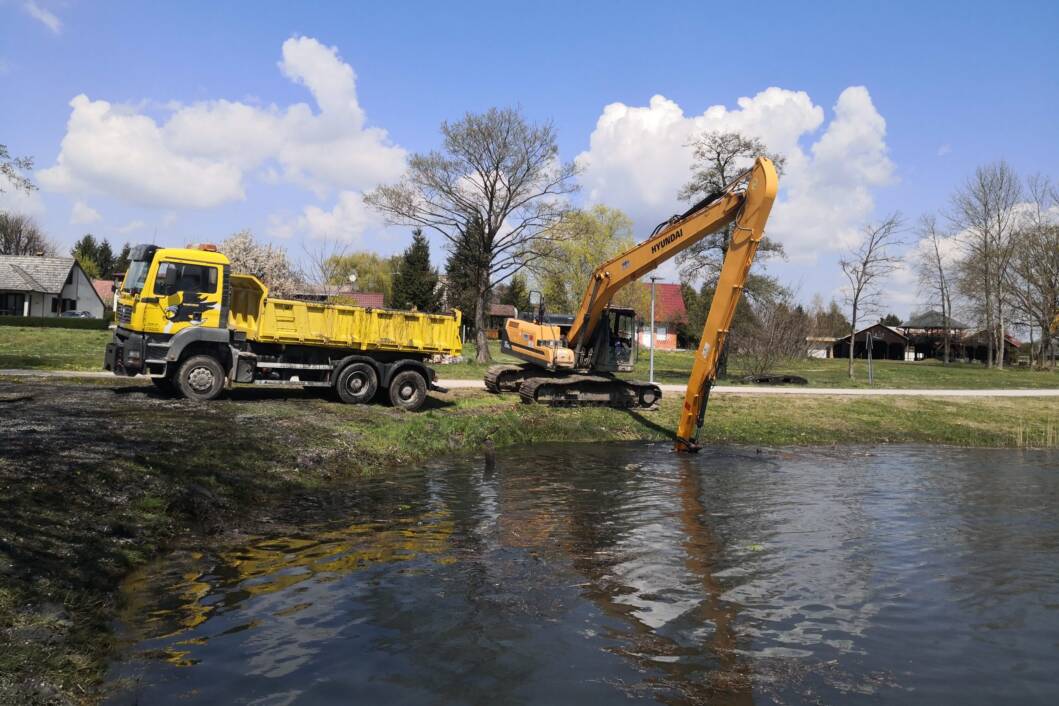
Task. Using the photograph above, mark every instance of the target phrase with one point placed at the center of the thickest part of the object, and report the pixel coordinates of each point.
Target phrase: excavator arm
(746, 236)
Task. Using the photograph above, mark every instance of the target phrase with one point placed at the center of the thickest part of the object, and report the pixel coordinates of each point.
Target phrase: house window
(55, 305)
(661, 331)
(69, 304)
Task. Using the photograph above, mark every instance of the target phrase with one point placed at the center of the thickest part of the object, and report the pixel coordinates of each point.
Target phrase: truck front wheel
(357, 383)
(408, 390)
(200, 378)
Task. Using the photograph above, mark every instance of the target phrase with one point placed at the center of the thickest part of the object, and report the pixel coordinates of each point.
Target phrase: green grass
(52, 348)
(675, 366)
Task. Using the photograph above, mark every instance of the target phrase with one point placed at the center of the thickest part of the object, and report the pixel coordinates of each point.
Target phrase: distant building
(926, 332)
(45, 287)
(105, 289)
(886, 343)
(340, 293)
(669, 314)
(820, 346)
(497, 318)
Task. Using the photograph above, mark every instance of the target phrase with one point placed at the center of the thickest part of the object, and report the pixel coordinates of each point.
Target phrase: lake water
(596, 574)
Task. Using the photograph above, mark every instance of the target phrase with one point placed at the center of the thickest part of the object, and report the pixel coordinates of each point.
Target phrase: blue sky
(954, 85)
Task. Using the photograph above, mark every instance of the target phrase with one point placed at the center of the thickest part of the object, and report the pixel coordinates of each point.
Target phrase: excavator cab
(614, 350)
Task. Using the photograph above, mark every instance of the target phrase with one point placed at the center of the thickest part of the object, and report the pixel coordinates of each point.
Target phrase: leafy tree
(86, 251)
(516, 293)
(375, 273)
(415, 283)
(890, 320)
(121, 262)
(267, 262)
(497, 176)
(11, 169)
(583, 241)
(463, 269)
(20, 235)
(827, 322)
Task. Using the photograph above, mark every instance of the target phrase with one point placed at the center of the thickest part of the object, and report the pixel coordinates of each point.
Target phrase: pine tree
(463, 272)
(121, 262)
(415, 282)
(86, 251)
(516, 293)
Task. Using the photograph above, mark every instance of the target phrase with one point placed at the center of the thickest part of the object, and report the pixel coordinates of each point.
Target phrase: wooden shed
(887, 343)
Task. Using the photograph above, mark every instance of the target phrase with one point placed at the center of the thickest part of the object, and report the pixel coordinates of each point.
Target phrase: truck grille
(124, 314)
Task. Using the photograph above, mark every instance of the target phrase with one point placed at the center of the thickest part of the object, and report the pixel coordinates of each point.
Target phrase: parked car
(76, 315)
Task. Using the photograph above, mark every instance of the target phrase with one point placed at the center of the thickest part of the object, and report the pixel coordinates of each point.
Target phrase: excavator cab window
(620, 340)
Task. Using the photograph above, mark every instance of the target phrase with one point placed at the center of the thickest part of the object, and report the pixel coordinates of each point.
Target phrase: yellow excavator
(572, 363)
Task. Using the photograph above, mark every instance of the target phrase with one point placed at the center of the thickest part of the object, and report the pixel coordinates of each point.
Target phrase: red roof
(105, 289)
(368, 300)
(669, 304)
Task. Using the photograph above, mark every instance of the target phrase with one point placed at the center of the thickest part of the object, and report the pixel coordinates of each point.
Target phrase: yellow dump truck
(194, 327)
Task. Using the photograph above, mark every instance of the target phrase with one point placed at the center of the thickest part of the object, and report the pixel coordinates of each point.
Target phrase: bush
(56, 322)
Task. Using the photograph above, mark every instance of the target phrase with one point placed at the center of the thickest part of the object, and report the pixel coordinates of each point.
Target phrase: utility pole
(651, 377)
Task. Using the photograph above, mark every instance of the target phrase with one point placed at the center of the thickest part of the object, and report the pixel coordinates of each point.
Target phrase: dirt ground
(97, 478)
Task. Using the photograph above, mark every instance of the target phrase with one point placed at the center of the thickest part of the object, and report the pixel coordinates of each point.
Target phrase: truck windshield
(136, 276)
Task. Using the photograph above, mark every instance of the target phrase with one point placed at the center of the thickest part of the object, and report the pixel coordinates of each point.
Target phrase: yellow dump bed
(306, 323)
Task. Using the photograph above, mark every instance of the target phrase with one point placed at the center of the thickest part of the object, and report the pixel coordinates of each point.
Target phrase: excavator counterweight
(574, 364)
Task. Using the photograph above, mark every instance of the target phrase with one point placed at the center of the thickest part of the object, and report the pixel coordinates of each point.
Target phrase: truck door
(185, 294)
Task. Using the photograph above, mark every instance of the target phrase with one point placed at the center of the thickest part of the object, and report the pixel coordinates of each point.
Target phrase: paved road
(722, 389)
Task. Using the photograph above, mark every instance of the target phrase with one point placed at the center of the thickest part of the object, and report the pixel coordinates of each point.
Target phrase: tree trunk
(481, 306)
(1000, 341)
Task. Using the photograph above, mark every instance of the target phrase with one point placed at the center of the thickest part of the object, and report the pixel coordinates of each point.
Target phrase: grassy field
(77, 516)
(674, 367)
(64, 349)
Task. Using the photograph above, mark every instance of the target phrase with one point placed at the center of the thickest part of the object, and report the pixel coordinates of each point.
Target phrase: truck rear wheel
(408, 390)
(200, 378)
(357, 383)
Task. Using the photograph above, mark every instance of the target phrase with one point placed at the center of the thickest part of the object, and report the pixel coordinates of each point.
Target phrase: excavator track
(507, 378)
(590, 391)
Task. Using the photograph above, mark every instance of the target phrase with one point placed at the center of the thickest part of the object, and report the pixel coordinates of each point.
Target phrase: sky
(185, 122)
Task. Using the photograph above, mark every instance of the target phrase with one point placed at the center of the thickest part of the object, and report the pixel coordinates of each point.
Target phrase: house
(46, 286)
(340, 294)
(887, 343)
(669, 314)
(105, 289)
(926, 332)
(497, 317)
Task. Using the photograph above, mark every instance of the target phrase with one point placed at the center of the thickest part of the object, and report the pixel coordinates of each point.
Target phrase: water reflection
(594, 574)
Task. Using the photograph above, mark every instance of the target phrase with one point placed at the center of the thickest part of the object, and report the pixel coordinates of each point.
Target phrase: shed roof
(34, 274)
(876, 330)
(933, 319)
(507, 310)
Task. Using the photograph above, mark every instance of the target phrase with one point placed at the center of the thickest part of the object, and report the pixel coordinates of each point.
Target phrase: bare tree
(11, 169)
(983, 212)
(325, 258)
(1033, 279)
(719, 157)
(934, 276)
(495, 190)
(864, 266)
(777, 336)
(20, 235)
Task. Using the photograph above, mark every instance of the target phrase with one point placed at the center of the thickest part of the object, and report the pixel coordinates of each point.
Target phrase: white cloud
(83, 213)
(17, 201)
(44, 16)
(944, 149)
(201, 155)
(347, 222)
(131, 227)
(639, 157)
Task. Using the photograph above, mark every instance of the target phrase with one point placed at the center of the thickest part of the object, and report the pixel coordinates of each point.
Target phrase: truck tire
(408, 390)
(357, 383)
(200, 378)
